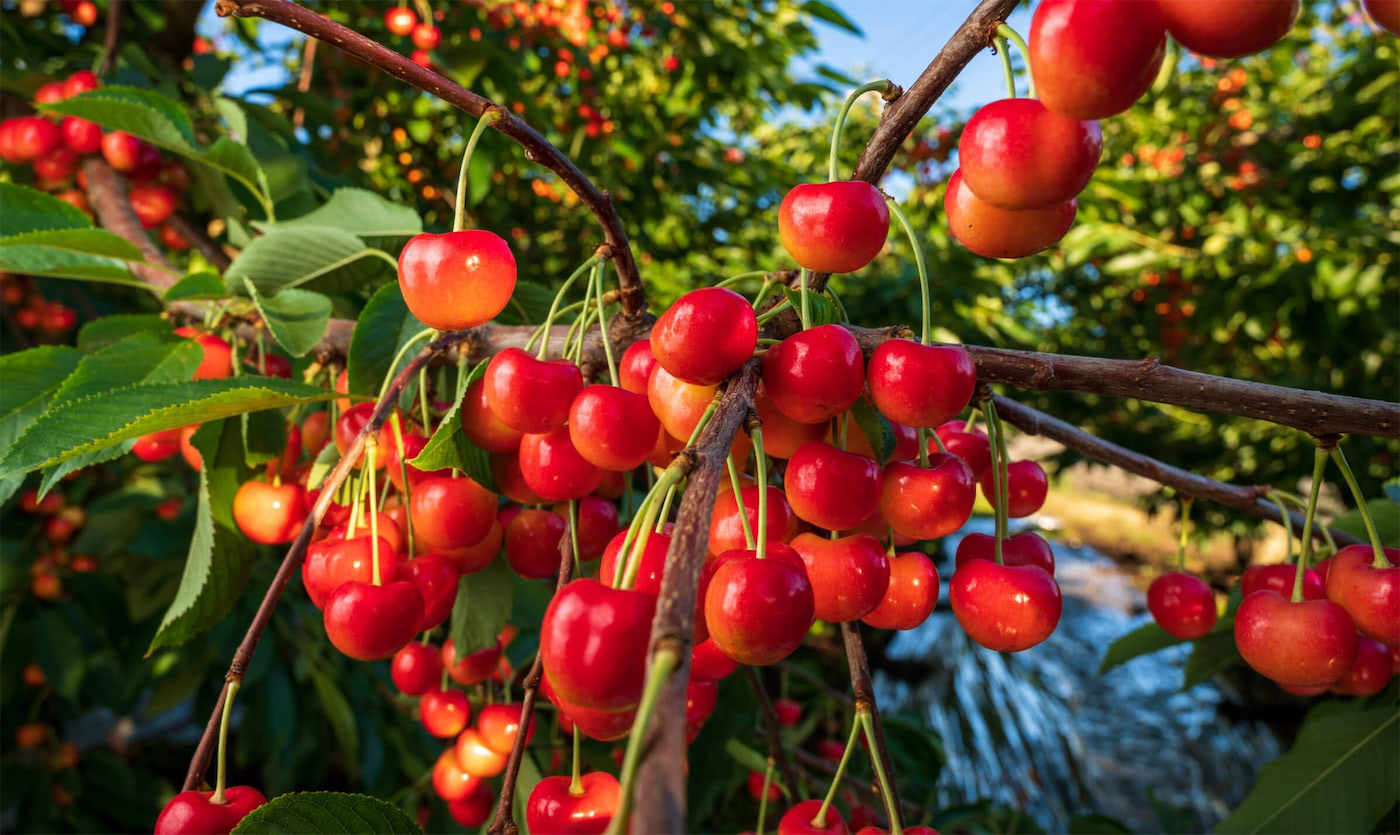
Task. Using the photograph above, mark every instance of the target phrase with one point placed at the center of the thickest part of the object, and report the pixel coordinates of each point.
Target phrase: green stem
(994, 439)
(763, 798)
(603, 325)
(819, 820)
(573, 536)
(761, 469)
(921, 438)
(668, 478)
(1380, 560)
(662, 665)
(1185, 530)
(1319, 467)
(1012, 35)
(774, 311)
(398, 358)
(933, 436)
(883, 85)
(539, 331)
(735, 279)
(769, 285)
(423, 401)
(882, 779)
(665, 509)
(371, 447)
(489, 118)
(221, 781)
(554, 305)
(403, 476)
(925, 336)
(739, 501)
(576, 781)
(1006, 68)
(806, 305)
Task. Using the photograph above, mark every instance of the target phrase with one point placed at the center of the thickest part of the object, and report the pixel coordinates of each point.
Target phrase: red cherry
(329, 565)
(602, 725)
(532, 543)
(470, 559)
(928, 503)
(1025, 548)
(849, 575)
(444, 713)
(476, 758)
(1092, 59)
(597, 524)
(789, 713)
(80, 82)
(315, 431)
(1230, 30)
(148, 164)
(635, 367)
(705, 335)
(831, 749)
(457, 279)
(1026, 488)
(833, 227)
(475, 809)
(815, 375)
(157, 446)
(435, 577)
(194, 813)
(972, 447)
(499, 725)
(395, 466)
(702, 696)
(911, 595)
(1006, 608)
(421, 57)
(531, 395)
(755, 785)
(832, 489)
(416, 669)
(677, 404)
(1385, 14)
(388, 530)
(781, 434)
(1371, 596)
(29, 138)
(1279, 579)
(759, 610)
(727, 528)
(612, 428)
(1016, 154)
(81, 136)
(122, 151)
(553, 808)
(709, 663)
(218, 355)
(1182, 604)
(400, 21)
(153, 204)
(1370, 672)
(906, 441)
(593, 643)
(368, 622)
(77, 200)
(271, 365)
(1321, 567)
(451, 513)
(473, 668)
(451, 782)
(49, 93)
(426, 36)
(554, 469)
(653, 561)
(1304, 644)
(57, 165)
(269, 514)
(480, 424)
(1000, 233)
(802, 820)
(505, 469)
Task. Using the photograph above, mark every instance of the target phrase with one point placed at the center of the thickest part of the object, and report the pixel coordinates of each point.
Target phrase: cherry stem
(554, 305)
(576, 781)
(489, 118)
(933, 436)
(1319, 466)
(403, 475)
(1185, 530)
(921, 438)
(423, 401)
(739, 501)
(735, 279)
(971, 421)
(399, 356)
(221, 779)
(774, 311)
(357, 499)
(1009, 34)
(573, 535)
(633, 562)
(763, 798)
(994, 430)
(1380, 560)
(371, 447)
(806, 305)
(761, 467)
(539, 331)
(884, 85)
(857, 725)
(665, 509)
(603, 324)
(903, 219)
(662, 664)
(573, 340)
(865, 720)
(1004, 51)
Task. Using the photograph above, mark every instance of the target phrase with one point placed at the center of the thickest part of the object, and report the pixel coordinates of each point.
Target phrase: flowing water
(1041, 732)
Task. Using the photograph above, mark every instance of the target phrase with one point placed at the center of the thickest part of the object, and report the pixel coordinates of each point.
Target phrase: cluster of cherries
(402, 21)
(49, 320)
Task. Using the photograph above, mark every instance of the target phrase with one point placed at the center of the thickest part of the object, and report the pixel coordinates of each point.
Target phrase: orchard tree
(327, 320)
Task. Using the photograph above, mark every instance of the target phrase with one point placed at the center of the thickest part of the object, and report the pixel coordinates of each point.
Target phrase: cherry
(1305, 644)
(1001, 233)
(505, 470)
(1321, 567)
(315, 431)
(972, 447)
(705, 335)
(532, 543)
(1005, 607)
(1025, 548)
(789, 713)
(597, 523)
(269, 514)
(57, 165)
(470, 559)
(635, 367)
(612, 428)
(781, 434)
(451, 782)
(400, 21)
(709, 663)
(1182, 604)
(426, 36)
(457, 279)
(395, 465)
(1026, 486)
(727, 528)
(702, 696)
(28, 138)
(593, 643)
(1385, 14)
(1279, 579)
(802, 820)
(473, 668)
(218, 355)
(369, 622)
(348, 426)
(831, 749)
(80, 135)
(49, 93)
(499, 725)
(653, 561)
(1092, 59)
(122, 151)
(1017, 154)
(553, 808)
(195, 813)
(271, 365)
(153, 204)
(833, 227)
(80, 82)
(602, 725)
(816, 374)
(759, 610)
(416, 669)
(157, 446)
(388, 530)
(911, 595)
(528, 394)
(613, 485)
(435, 577)
(329, 565)
(1371, 596)
(1369, 673)
(755, 785)
(1233, 30)
(451, 513)
(849, 575)
(476, 758)
(928, 503)
(444, 713)
(148, 164)
(832, 489)
(677, 404)
(554, 469)
(480, 424)
(475, 809)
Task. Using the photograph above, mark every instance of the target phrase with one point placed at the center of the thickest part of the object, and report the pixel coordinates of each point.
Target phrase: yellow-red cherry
(928, 503)
(1309, 643)
(480, 424)
(472, 668)
(635, 366)
(833, 227)
(332, 563)
(612, 428)
(705, 335)
(552, 807)
(400, 21)
(1370, 595)
(920, 385)
(759, 610)
(476, 758)
(849, 575)
(416, 669)
(269, 514)
(529, 394)
(435, 576)
(1007, 608)
(554, 469)
(451, 782)
(816, 374)
(910, 596)
(1092, 59)
(457, 279)
(597, 523)
(1228, 30)
(499, 726)
(1025, 548)
(1002, 233)
(444, 713)
(677, 404)
(450, 513)
(1018, 154)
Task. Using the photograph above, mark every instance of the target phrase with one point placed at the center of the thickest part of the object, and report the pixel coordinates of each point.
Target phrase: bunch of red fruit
(49, 320)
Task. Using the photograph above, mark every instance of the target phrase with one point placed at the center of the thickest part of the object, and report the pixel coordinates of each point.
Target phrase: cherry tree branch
(110, 38)
(865, 700)
(191, 232)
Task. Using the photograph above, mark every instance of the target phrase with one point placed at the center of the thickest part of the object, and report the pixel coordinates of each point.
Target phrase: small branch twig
(212, 252)
(777, 751)
(865, 700)
(113, 34)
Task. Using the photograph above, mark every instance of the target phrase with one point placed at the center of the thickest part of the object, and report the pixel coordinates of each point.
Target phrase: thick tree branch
(537, 148)
(212, 252)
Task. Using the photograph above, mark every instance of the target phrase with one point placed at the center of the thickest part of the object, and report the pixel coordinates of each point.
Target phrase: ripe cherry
(528, 394)
(269, 514)
(193, 812)
(80, 82)
(218, 355)
(816, 374)
(612, 428)
(1092, 59)
(1385, 14)
(597, 523)
(451, 782)
(709, 663)
(472, 811)
(444, 712)
(676, 403)
(554, 469)
(1017, 154)
(833, 227)
(450, 513)
(457, 279)
(396, 465)
(1370, 595)
(1007, 608)
(727, 528)
(369, 622)
(1182, 604)
(315, 432)
(1305, 644)
(426, 36)
(911, 595)
(759, 610)
(788, 712)
(122, 151)
(470, 559)
(157, 446)
(505, 470)
(348, 426)
(1026, 486)
(532, 543)
(474, 667)
(480, 424)
(57, 165)
(602, 725)
(781, 434)
(635, 367)
(1370, 672)
(553, 808)
(832, 489)
(153, 204)
(1279, 579)
(1000, 233)
(972, 446)
(28, 138)
(849, 575)
(705, 335)
(928, 503)
(499, 725)
(649, 571)
(435, 577)
(1232, 30)
(802, 820)
(416, 669)
(331, 564)
(1025, 548)
(49, 93)
(476, 758)
(593, 642)
(80, 135)
(400, 21)
(754, 782)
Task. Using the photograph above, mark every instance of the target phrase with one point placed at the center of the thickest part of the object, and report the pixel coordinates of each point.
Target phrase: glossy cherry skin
(705, 335)
(911, 595)
(597, 525)
(269, 514)
(388, 529)
(218, 355)
(472, 811)
(677, 404)
(435, 576)
(1369, 673)
(1228, 30)
(81, 136)
(1182, 604)
(1025, 548)
(451, 513)
(781, 434)
(330, 564)
(815, 375)
(1304, 644)
(531, 395)
(470, 559)
(973, 447)
(450, 781)
(635, 366)
(476, 757)
(499, 725)
(709, 663)
(505, 469)
(702, 696)
(1371, 596)
(416, 669)
(532, 543)
(480, 424)
(802, 820)
(153, 204)
(849, 575)
(928, 503)
(368, 622)
(348, 426)
(315, 431)
(920, 385)
(474, 667)
(593, 643)
(727, 528)
(653, 561)
(1000, 233)
(444, 712)
(552, 809)
(1026, 485)
(1007, 608)
(553, 468)
(759, 610)
(602, 725)
(192, 812)
(30, 138)
(1017, 154)
(157, 446)
(457, 279)
(1279, 579)
(612, 428)
(400, 21)
(1385, 14)
(1092, 59)
(395, 465)
(833, 227)
(832, 489)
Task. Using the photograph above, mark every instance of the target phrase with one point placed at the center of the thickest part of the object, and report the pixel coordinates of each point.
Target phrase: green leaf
(325, 461)
(1210, 655)
(197, 286)
(62, 263)
(326, 813)
(822, 310)
(30, 380)
(234, 159)
(362, 213)
(384, 327)
(828, 14)
(875, 426)
(24, 210)
(1341, 775)
(286, 257)
(529, 304)
(94, 423)
(449, 448)
(746, 756)
(144, 114)
(1384, 512)
(264, 437)
(85, 241)
(297, 319)
(216, 569)
(103, 331)
(482, 607)
(1144, 640)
